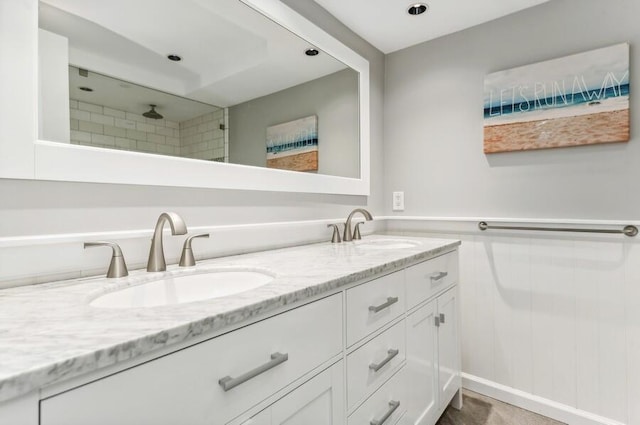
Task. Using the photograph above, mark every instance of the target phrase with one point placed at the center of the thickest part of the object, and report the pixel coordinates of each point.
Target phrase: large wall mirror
(240, 94)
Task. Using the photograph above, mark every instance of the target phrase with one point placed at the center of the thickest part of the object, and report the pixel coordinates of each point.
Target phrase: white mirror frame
(22, 156)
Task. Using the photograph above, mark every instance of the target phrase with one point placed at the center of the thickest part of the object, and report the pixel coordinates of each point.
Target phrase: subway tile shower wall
(202, 138)
(100, 126)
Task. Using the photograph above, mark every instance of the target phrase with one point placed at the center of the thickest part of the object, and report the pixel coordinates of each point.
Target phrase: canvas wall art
(293, 145)
(581, 99)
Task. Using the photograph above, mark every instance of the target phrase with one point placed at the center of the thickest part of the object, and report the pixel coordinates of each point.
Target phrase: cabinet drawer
(374, 304)
(430, 277)
(371, 365)
(184, 387)
(388, 400)
(319, 400)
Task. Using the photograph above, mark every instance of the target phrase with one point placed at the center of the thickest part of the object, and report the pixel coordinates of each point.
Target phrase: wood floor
(480, 410)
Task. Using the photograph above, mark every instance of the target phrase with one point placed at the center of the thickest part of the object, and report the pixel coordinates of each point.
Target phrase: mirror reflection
(213, 81)
(110, 113)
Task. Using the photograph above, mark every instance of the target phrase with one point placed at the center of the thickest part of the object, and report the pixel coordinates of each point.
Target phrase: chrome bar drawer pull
(390, 301)
(441, 317)
(393, 405)
(390, 355)
(438, 275)
(228, 382)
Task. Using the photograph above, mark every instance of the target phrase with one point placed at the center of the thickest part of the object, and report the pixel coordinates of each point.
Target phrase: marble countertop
(50, 333)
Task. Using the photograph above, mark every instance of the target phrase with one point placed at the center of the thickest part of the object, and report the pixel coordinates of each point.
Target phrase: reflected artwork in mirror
(190, 78)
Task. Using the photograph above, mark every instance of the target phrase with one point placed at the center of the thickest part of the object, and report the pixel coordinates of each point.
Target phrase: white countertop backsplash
(49, 333)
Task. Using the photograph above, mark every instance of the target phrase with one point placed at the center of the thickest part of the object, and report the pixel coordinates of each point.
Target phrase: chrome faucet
(156, 254)
(348, 236)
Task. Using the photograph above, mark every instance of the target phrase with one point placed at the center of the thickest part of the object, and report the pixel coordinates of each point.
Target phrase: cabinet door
(422, 351)
(448, 346)
(319, 401)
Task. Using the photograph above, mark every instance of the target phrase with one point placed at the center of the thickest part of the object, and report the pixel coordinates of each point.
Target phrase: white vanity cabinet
(422, 386)
(188, 386)
(433, 357)
(380, 352)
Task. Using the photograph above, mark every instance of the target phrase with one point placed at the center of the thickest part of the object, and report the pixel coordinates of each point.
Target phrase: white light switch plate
(398, 201)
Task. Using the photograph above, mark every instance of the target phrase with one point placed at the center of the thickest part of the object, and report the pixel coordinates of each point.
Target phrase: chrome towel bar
(628, 230)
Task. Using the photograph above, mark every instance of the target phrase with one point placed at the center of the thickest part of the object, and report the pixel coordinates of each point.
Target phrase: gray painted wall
(433, 122)
(37, 207)
(333, 99)
(330, 24)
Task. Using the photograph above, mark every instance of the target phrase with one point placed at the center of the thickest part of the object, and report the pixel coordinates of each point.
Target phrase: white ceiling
(387, 25)
(118, 94)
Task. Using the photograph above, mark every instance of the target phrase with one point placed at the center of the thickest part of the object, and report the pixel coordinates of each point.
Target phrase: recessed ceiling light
(174, 57)
(417, 9)
(85, 88)
(312, 52)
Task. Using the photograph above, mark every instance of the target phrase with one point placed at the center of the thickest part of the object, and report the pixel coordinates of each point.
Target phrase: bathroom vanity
(337, 336)
(351, 333)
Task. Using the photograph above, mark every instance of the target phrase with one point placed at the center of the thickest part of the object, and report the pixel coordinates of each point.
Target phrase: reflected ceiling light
(174, 57)
(417, 9)
(312, 52)
(153, 114)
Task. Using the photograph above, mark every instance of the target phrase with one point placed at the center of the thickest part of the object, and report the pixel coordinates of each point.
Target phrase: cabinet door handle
(390, 301)
(438, 275)
(442, 317)
(393, 405)
(228, 382)
(390, 355)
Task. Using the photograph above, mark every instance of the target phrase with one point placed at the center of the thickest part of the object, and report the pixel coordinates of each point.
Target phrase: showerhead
(153, 114)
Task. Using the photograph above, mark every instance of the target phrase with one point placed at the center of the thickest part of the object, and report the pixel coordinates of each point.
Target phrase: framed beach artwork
(581, 99)
(293, 145)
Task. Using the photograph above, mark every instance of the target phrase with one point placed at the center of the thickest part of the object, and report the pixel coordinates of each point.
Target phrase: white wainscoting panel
(550, 317)
(632, 310)
(550, 321)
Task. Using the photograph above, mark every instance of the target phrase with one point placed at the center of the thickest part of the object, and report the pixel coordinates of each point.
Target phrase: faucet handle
(117, 267)
(356, 231)
(335, 238)
(187, 259)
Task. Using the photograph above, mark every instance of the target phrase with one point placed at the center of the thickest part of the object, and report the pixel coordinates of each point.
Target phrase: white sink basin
(387, 244)
(184, 289)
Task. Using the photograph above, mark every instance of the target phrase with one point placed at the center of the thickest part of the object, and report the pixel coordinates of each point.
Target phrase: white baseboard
(554, 410)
